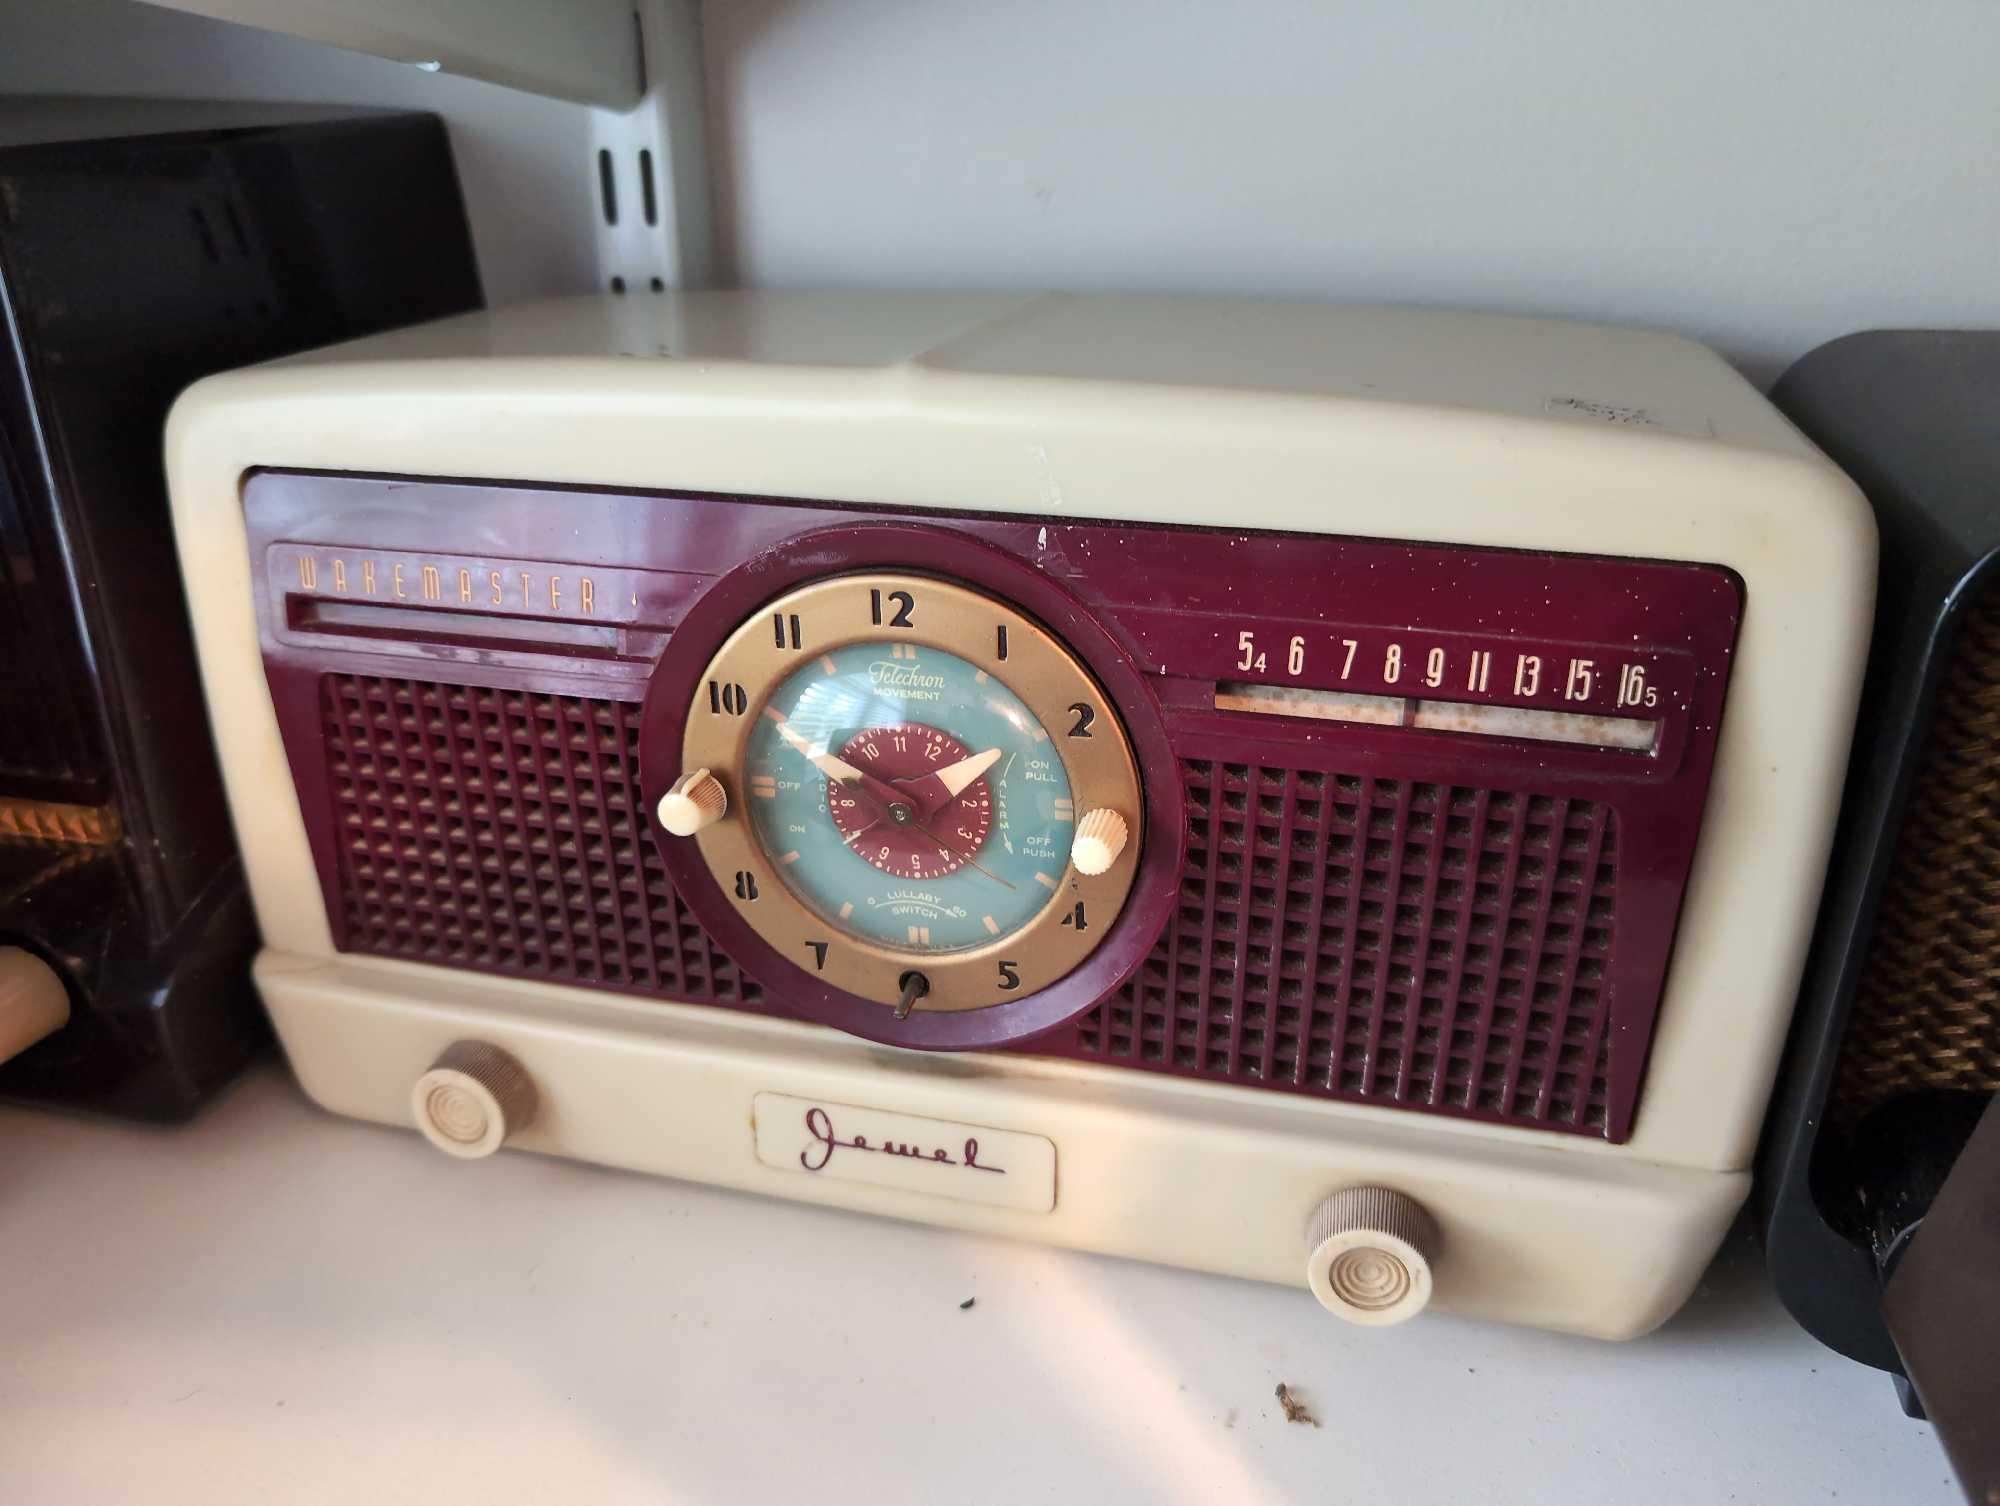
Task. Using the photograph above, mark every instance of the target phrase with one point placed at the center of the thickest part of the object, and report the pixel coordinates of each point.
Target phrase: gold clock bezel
(770, 646)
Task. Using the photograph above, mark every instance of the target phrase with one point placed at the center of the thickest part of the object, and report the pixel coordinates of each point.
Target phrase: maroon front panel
(1458, 922)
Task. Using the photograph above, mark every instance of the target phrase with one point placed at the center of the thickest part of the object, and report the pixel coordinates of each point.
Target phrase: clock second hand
(953, 779)
(971, 862)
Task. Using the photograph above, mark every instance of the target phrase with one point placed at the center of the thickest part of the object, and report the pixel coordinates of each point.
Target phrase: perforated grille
(1387, 941)
(500, 829)
(1382, 940)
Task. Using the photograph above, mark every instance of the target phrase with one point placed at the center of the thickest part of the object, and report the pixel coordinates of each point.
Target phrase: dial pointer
(971, 862)
(933, 791)
(956, 776)
(885, 799)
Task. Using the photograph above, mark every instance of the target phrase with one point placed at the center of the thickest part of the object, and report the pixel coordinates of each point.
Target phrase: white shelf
(529, 163)
(583, 50)
(273, 1304)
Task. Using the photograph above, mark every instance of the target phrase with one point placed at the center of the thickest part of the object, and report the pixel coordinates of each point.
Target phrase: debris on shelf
(1295, 1410)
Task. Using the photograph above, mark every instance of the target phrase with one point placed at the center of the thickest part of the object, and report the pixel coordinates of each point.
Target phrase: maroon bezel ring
(841, 550)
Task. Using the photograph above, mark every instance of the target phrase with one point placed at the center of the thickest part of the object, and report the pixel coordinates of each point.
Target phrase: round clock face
(910, 790)
(957, 831)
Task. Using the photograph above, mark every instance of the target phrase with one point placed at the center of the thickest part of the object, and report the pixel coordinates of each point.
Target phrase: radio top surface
(1310, 709)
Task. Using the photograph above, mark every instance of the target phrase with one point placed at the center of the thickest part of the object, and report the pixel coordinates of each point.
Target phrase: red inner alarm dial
(905, 819)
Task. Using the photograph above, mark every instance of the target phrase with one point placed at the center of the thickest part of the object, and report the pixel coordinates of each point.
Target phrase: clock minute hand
(941, 786)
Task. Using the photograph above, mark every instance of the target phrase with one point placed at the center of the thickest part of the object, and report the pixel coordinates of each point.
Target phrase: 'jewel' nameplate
(971, 1162)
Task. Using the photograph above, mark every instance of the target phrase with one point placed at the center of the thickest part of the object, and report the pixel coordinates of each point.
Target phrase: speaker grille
(500, 829)
(1382, 940)
(1927, 1012)
(1385, 941)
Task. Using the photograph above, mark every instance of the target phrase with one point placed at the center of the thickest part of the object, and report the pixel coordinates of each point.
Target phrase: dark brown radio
(1882, 1159)
(191, 239)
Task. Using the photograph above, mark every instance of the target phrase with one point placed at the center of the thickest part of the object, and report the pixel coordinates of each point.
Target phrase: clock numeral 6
(732, 698)
(1010, 976)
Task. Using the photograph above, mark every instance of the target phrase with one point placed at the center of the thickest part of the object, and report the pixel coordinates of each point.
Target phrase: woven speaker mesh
(1927, 1013)
(500, 829)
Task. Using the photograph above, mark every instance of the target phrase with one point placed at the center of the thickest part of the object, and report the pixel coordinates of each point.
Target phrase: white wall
(1762, 174)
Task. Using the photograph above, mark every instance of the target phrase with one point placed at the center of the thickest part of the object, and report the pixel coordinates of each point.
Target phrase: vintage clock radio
(1332, 796)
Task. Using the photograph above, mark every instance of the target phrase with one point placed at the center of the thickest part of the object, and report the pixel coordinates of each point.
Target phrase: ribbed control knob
(1100, 837)
(474, 1096)
(33, 1001)
(1368, 1255)
(695, 801)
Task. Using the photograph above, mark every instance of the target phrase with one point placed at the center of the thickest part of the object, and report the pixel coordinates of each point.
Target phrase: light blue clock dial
(909, 798)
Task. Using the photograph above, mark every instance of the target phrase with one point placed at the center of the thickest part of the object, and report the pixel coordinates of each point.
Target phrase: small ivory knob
(697, 800)
(33, 1001)
(474, 1096)
(1100, 837)
(1368, 1256)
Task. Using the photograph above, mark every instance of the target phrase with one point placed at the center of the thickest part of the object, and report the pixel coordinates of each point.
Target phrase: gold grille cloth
(1927, 1013)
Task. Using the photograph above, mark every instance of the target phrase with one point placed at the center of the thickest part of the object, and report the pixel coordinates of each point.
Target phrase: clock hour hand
(938, 788)
(884, 799)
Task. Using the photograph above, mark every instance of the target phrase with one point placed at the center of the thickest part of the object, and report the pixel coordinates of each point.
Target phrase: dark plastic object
(1914, 418)
(1943, 1310)
(130, 266)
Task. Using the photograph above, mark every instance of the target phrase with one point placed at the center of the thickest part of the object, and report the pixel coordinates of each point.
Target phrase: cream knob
(474, 1096)
(33, 1001)
(1368, 1255)
(1100, 837)
(695, 801)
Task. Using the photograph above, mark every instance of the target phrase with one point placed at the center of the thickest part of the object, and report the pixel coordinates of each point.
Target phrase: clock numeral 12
(905, 604)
